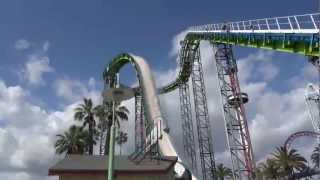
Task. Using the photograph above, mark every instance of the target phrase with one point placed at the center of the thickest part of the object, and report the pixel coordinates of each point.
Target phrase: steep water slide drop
(152, 108)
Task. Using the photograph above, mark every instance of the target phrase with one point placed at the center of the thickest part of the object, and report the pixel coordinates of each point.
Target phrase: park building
(88, 167)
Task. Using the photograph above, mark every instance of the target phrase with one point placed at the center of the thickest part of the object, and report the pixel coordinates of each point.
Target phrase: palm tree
(221, 172)
(104, 112)
(73, 141)
(270, 169)
(288, 160)
(121, 138)
(84, 112)
(258, 173)
(315, 157)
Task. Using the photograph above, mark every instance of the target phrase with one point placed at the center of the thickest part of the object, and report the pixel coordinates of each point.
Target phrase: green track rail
(303, 44)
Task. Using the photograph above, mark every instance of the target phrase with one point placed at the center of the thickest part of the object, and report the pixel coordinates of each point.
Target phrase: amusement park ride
(292, 34)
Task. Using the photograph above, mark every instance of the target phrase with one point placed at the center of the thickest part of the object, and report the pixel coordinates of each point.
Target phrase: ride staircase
(150, 148)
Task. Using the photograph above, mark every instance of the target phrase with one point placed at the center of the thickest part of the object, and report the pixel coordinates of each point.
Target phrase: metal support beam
(103, 130)
(313, 104)
(140, 132)
(103, 137)
(111, 145)
(202, 119)
(187, 126)
(234, 113)
(146, 135)
(313, 99)
(189, 144)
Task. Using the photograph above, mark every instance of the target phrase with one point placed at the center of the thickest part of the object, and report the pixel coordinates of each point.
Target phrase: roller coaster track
(292, 34)
(296, 135)
(304, 41)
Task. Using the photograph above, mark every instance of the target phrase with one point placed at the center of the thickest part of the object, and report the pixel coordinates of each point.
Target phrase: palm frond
(122, 115)
(123, 109)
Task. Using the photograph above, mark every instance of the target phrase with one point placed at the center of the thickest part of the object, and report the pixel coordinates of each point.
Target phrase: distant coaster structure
(292, 34)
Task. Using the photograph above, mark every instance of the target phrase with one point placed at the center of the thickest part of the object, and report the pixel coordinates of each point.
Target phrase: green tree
(84, 112)
(221, 172)
(315, 157)
(73, 141)
(121, 138)
(270, 169)
(103, 118)
(288, 160)
(258, 173)
(104, 112)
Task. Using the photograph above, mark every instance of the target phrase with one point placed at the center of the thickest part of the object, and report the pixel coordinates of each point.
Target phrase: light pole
(115, 95)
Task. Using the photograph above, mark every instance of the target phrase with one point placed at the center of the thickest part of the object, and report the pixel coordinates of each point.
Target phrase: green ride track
(307, 45)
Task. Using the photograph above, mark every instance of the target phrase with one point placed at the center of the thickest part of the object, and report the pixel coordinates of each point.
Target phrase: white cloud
(92, 82)
(7, 144)
(24, 176)
(36, 66)
(277, 115)
(307, 74)
(310, 72)
(176, 43)
(27, 134)
(70, 89)
(22, 44)
(74, 90)
(269, 71)
(257, 65)
(46, 46)
(15, 176)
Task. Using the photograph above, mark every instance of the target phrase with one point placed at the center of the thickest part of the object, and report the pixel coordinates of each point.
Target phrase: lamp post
(115, 95)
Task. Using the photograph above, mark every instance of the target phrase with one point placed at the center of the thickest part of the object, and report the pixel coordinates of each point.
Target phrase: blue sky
(84, 35)
(53, 52)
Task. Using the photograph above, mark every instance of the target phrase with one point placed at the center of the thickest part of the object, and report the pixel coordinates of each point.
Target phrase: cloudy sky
(52, 54)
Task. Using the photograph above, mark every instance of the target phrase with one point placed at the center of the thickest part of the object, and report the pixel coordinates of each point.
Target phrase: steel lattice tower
(313, 103)
(103, 141)
(313, 100)
(186, 117)
(234, 113)
(110, 82)
(202, 119)
(139, 123)
(313, 97)
(187, 126)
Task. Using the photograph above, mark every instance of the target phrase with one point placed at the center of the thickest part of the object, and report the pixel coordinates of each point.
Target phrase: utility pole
(114, 94)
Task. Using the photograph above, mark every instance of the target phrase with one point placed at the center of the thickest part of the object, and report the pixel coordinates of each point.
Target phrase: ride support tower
(190, 63)
(189, 144)
(233, 101)
(140, 130)
(202, 119)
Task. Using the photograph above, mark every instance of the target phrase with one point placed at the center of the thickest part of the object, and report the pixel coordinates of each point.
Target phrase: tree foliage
(80, 140)
(222, 172)
(315, 157)
(85, 113)
(283, 164)
(73, 141)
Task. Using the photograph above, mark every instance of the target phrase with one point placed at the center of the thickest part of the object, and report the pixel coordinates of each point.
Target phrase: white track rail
(302, 24)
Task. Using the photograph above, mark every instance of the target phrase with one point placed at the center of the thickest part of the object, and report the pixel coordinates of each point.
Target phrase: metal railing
(296, 22)
(150, 147)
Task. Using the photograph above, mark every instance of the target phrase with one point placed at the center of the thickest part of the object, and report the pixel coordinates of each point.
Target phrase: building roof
(74, 164)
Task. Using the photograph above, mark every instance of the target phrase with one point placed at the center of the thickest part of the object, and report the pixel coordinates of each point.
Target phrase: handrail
(296, 22)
